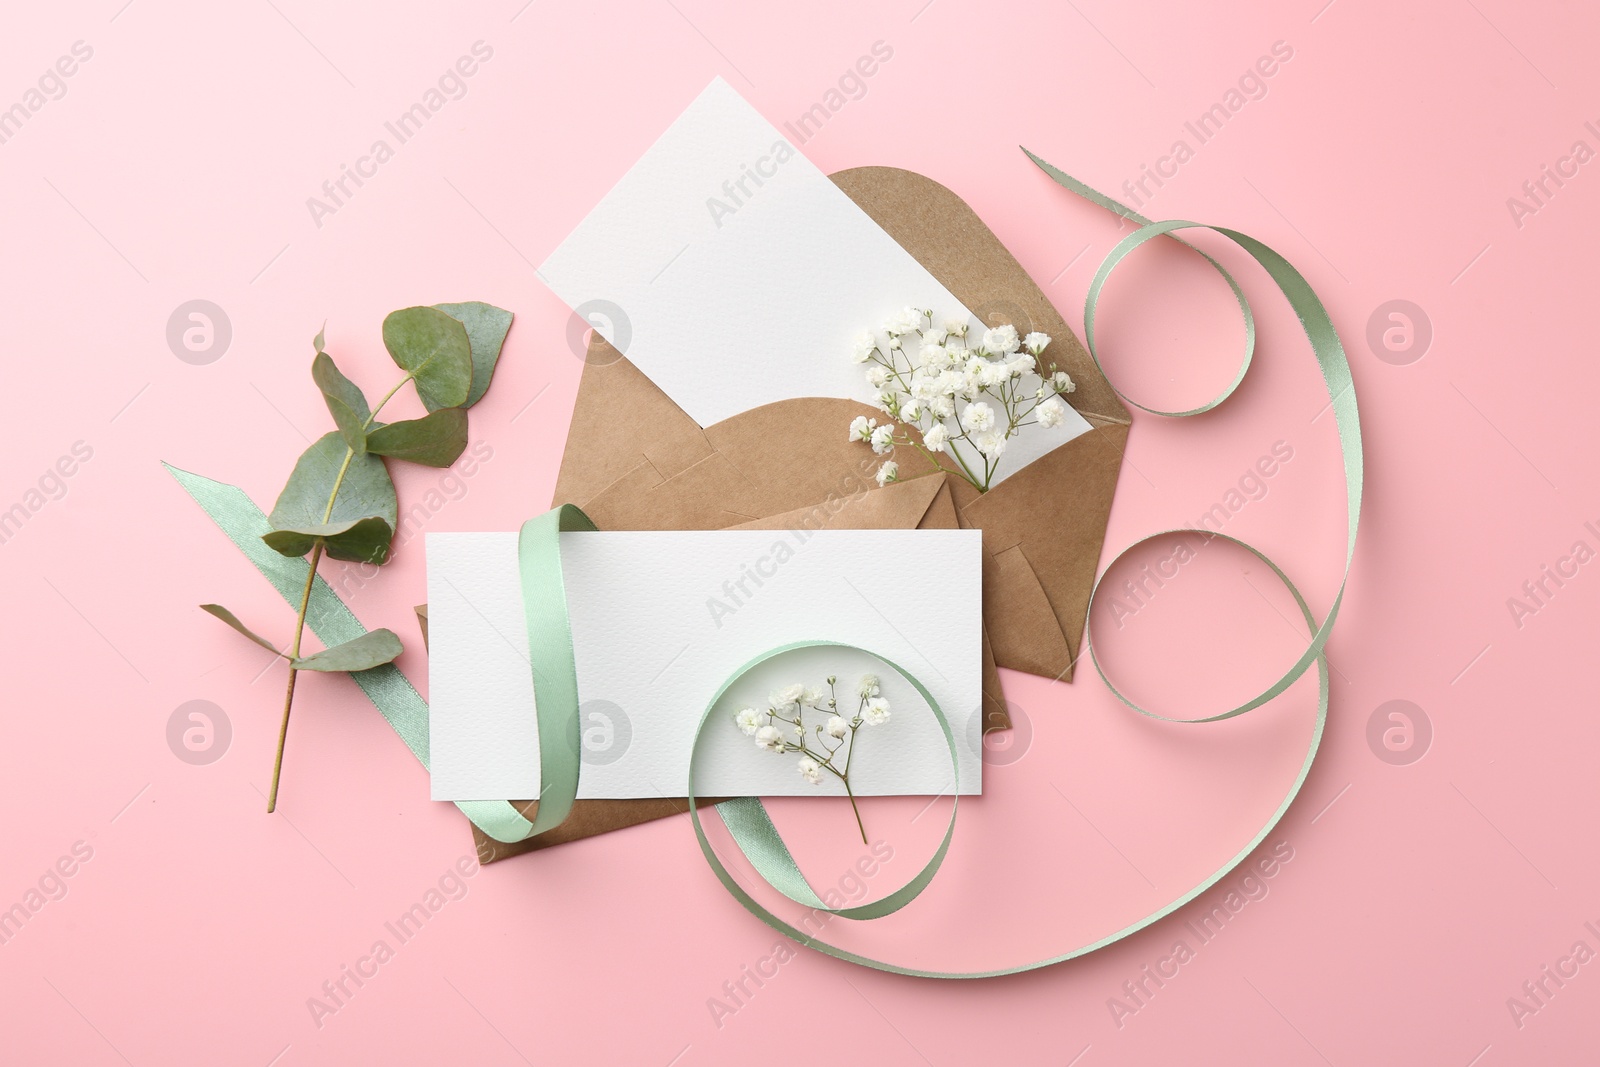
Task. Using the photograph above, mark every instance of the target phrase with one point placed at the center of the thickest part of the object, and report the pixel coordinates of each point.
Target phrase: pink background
(1420, 896)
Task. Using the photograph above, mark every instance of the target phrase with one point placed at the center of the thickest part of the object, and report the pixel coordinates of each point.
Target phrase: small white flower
(1000, 341)
(889, 472)
(1020, 364)
(924, 387)
(749, 720)
(787, 697)
(978, 417)
(865, 342)
(799, 734)
(930, 356)
(869, 685)
(1035, 342)
(877, 376)
(951, 382)
(894, 342)
(942, 406)
(911, 410)
(810, 770)
(861, 428)
(876, 713)
(936, 334)
(770, 739)
(935, 438)
(903, 321)
(990, 443)
(1051, 412)
(1062, 382)
(883, 438)
(958, 327)
(837, 727)
(887, 401)
(992, 374)
(813, 698)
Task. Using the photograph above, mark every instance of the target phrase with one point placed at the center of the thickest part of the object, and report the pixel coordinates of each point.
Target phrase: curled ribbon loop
(1329, 351)
(755, 836)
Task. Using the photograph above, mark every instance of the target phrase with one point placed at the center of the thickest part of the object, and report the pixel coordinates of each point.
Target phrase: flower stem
(845, 778)
(294, 654)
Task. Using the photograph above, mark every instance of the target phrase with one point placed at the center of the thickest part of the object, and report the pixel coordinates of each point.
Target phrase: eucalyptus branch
(340, 500)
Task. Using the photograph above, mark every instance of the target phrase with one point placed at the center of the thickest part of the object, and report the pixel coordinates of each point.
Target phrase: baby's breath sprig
(833, 737)
(922, 390)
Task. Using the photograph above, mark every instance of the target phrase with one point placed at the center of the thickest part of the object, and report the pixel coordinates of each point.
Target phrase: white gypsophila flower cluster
(782, 728)
(949, 397)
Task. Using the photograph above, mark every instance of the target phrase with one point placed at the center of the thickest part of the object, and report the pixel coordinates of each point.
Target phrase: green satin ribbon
(552, 663)
(755, 836)
(551, 658)
(1335, 368)
(237, 516)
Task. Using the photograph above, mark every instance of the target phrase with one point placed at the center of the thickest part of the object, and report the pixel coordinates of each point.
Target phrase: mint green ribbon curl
(1335, 368)
(758, 839)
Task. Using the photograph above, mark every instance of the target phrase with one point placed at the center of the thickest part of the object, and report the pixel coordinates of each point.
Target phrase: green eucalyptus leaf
(233, 620)
(435, 440)
(487, 327)
(359, 540)
(361, 523)
(371, 649)
(345, 401)
(435, 348)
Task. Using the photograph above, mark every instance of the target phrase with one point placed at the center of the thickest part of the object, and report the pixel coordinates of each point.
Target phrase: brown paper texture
(635, 461)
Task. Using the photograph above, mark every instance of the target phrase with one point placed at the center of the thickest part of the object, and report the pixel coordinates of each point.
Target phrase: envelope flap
(1049, 521)
(946, 236)
(613, 393)
(896, 506)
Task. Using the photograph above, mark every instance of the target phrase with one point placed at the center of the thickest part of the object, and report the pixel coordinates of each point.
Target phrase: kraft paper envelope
(635, 460)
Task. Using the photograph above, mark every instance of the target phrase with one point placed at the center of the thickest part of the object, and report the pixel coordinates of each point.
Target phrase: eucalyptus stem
(305, 601)
(294, 654)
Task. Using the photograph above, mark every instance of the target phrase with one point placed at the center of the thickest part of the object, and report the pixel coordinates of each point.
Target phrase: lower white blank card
(660, 619)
